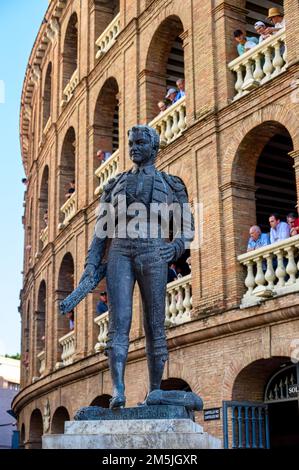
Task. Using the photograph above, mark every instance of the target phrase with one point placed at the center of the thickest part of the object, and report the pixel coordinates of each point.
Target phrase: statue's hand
(89, 271)
(168, 252)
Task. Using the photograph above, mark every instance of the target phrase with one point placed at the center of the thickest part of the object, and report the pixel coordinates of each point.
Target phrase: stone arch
(160, 66)
(59, 417)
(245, 366)
(47, 96)
(106, 117)
(67, 167)
(70, 50)
(174, 383)
(40, 318)
(35, 430)
(278, 114)
(65, 285)
(101, 400)
(43, 204)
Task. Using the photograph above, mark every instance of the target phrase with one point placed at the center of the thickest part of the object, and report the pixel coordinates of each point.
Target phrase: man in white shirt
(279, 230)
(277, 19)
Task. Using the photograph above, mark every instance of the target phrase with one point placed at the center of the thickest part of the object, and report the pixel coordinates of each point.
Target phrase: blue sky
(19, 24)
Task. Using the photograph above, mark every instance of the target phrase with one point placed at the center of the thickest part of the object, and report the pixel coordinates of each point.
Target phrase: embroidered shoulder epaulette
(175, 182)
(110, 185)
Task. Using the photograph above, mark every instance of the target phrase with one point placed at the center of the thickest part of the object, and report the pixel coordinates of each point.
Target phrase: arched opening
(164, 64)
(26, 344)
(43, 206)
(263, 171)
(267, 382)
(47, 95)
(65, 287)
(175, 384)
(67, 171)
(40, 321)
(60, 416)
(106, 121)
(35, 430)
(102, 401)
(275, 179)
(70, 50)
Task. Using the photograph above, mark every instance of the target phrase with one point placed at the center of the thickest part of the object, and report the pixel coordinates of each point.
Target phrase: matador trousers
(132, 260)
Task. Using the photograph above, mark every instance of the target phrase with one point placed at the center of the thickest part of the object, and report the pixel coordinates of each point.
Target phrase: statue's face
(140, 147)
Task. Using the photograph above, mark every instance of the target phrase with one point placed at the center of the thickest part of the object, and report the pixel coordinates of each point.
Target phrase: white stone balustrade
(67, 343)
(171, 123)
(271, 271)
(70, 87)
(42, 362)
(107, 170)
(178, 301)
(103, 322)
(260, 64)
(44, 236)
(69, 209)
(106, 40)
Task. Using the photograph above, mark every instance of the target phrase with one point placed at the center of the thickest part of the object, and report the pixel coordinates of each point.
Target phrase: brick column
(291, 10)
(295, 155)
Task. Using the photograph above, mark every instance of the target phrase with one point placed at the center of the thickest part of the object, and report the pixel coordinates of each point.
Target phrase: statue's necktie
(140, 180)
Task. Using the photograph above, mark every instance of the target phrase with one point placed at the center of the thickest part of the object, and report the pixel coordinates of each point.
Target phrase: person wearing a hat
(260, 28)
(172, 95)
(277, 19)
(102, 306)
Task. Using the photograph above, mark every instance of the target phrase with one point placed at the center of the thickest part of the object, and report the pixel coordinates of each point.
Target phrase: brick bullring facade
(98, 67)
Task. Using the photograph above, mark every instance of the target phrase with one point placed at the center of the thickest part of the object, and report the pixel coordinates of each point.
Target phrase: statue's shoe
(118, 401)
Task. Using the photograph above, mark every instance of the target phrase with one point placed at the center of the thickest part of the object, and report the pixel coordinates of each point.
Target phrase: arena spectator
(71, 189)
(180, 83)
(244, 43)
(293, 223)
(172, 274)
(279, 230)
(162, 106)
(277, 19)
(103, 156)
(102, 305)
(257, 239)
(261, 28)
(172, 95)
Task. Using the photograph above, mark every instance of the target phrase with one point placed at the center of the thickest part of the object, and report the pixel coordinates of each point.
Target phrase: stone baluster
(291, 268)
(168, 132)
(179, 305)
(248, 80)
(278, 60)
(260, 277)
(239, 82)
(270, 274)
(187, 300)
(175, 127)
(182, 118)
(268, 67)
(258, 73)
(250, 280)
(173, 307)
(280, 270)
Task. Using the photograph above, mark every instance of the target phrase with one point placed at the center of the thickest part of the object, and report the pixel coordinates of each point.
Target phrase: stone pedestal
(139, 433)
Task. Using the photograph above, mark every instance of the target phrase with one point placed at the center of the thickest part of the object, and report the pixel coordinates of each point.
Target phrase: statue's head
(143, 144)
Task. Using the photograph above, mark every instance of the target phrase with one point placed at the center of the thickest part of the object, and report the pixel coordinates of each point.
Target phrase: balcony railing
(67, 343)
(260, 64)
(42, 362)
(171, 123)
(271, 271)
(106, 40)
(107, 170)
(178, 301)
(69, 210)
(102, 321)
(70, 87)
(44, 236)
